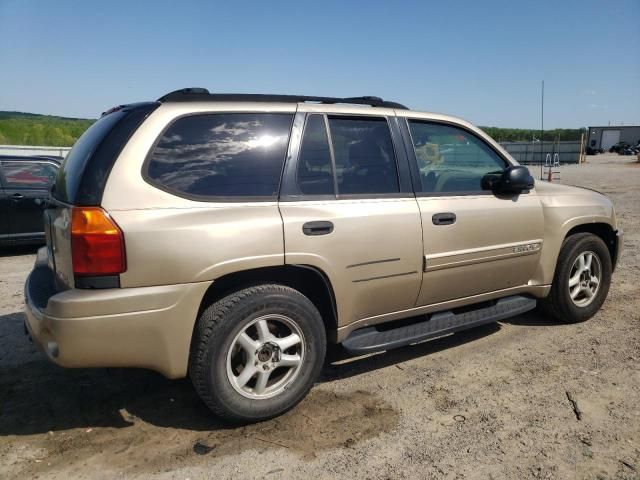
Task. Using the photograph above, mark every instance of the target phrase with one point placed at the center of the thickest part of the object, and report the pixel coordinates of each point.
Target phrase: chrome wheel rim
(585, 278)
(265, 356)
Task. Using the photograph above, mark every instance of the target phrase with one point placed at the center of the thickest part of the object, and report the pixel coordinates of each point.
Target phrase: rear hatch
(81, 181)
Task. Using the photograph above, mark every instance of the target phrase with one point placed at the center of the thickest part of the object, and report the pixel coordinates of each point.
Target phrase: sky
(480, 60)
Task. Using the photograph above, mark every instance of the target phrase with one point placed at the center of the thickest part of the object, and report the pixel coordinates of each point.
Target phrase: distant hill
(19, 128)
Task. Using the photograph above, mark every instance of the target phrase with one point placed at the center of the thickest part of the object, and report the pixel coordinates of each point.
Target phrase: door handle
(446, 218)
(16, 197)
(317, 228)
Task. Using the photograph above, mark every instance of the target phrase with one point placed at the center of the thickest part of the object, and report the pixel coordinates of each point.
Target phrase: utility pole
(542, 135)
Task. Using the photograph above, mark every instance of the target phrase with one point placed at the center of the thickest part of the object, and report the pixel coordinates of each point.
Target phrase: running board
(370, 339)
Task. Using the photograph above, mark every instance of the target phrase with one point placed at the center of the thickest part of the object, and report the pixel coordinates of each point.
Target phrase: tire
(559, 303)
(220, 352)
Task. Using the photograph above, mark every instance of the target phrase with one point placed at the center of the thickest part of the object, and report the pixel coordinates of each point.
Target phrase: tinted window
(222, 155)
(29, 174)
(364, 157)
(315, 173)
(451, 159)
(85, 170)
(70, 177)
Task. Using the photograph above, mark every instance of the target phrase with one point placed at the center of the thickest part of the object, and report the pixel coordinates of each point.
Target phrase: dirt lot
(488, 403)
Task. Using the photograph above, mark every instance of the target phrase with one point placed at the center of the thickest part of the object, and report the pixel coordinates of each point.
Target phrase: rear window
(222, 155)
(35, 175)
(85, 170)
(68, 180)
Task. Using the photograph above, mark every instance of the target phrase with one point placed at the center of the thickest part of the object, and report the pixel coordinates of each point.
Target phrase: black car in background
(24, 189)
(618, 147)
(591, 149)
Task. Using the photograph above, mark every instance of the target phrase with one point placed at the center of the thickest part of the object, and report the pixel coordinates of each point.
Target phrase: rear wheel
(257, 352)
(581, 281)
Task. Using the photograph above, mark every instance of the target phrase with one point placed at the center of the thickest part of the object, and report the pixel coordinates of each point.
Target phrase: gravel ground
(492, 402)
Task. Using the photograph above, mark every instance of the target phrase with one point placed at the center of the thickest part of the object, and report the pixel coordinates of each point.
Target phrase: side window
(364, 157)
(23, 174)
(451, 159)
(315, 173)
(222, 155)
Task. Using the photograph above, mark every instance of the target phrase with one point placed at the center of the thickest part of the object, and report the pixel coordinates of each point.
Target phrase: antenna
(542, 132)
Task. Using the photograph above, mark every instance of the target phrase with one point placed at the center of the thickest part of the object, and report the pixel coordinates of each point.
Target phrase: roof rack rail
(202, 94)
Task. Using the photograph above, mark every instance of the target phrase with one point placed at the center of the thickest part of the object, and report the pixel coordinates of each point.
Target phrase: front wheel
(257, 352)
(581, 281)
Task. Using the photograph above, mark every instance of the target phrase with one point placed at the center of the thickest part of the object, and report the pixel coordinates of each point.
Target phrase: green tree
(17, 128)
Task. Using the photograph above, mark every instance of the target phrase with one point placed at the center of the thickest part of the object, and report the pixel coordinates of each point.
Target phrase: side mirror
(514, 179)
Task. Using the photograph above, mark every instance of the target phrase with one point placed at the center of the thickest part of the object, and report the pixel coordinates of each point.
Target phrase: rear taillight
(97, 243)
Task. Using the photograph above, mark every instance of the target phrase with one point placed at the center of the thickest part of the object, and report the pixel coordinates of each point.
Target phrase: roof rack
(202, 94)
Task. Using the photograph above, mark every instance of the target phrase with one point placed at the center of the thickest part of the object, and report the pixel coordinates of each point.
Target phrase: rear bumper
(145, 327)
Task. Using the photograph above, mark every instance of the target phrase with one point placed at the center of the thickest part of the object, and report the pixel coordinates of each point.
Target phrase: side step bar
(370, 339)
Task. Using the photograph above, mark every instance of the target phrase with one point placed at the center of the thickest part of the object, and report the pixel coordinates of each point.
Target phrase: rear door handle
(16, 197)
(446, 218)
(317, 228)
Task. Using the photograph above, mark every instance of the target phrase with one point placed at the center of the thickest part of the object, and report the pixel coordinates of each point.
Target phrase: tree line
(527, 135)
(17, 128)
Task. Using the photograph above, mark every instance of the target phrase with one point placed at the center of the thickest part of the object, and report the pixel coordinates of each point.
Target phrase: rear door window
(230, 155)
(29, 175)
(315, 172)
(364, 156)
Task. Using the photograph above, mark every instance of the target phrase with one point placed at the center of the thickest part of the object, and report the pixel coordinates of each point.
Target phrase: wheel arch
(308, 280)
(602, 230)
(558, 228)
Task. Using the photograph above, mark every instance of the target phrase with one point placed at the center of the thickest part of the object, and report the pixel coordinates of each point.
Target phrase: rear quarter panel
(183, 245)
(170, 239)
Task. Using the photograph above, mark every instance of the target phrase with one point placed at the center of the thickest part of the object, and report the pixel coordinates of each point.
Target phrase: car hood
(548, 188)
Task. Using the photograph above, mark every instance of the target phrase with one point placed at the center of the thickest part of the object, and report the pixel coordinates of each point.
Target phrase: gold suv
(230, 237)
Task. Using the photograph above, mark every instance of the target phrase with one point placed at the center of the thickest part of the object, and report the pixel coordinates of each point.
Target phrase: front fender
(564, 209)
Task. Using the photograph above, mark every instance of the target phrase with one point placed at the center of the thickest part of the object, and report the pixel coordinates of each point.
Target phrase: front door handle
(446, 218)
(317, 228)
(16, 197)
